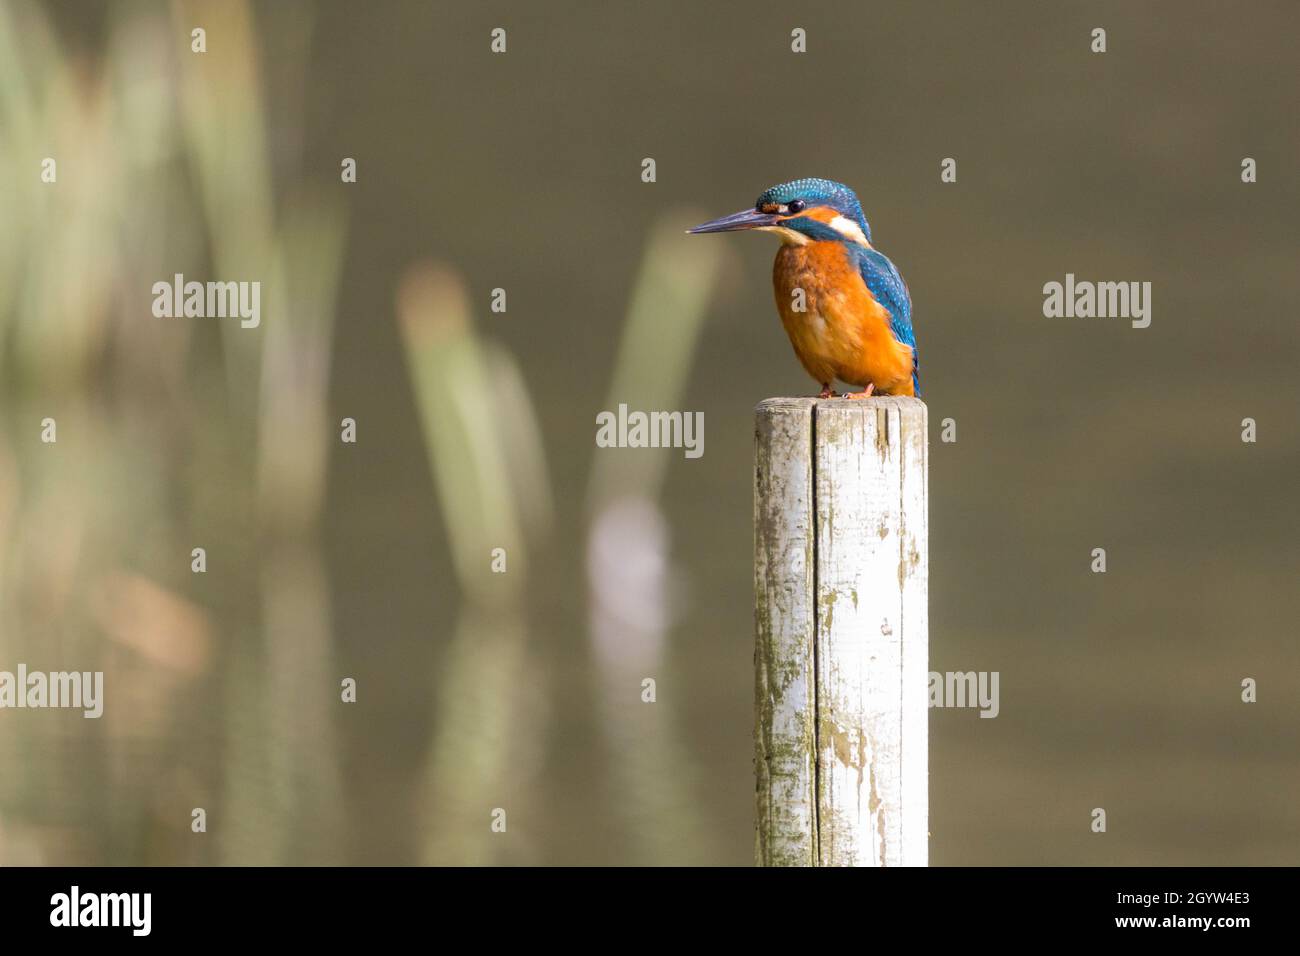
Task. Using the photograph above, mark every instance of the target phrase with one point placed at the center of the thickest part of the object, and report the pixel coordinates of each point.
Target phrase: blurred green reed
(676, 281)
(633, 588)
(485, 452)
(180, 434)
(164, 444)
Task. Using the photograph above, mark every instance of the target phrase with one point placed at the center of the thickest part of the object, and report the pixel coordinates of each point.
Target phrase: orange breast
(843, 332)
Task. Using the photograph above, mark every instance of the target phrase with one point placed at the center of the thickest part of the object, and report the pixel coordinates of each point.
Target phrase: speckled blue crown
(820, 192)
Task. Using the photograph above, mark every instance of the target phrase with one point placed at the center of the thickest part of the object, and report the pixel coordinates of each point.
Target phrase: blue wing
(882, 278)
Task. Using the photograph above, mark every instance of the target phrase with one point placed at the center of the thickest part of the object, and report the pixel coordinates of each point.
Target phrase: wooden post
(841, 669)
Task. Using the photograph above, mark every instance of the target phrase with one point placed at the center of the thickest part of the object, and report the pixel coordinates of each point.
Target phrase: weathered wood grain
(841, 502)
(784, 735)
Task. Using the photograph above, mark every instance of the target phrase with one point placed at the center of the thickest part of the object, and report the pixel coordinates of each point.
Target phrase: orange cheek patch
(823, 214)
(836, 220)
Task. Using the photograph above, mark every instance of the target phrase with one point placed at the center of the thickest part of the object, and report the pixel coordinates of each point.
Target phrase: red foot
(865, 393)
(828, 392)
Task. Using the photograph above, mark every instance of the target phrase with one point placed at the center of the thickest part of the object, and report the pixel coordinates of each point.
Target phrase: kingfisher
(843, 304)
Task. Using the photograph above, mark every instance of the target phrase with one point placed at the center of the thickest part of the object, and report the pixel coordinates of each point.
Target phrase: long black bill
(745, 219)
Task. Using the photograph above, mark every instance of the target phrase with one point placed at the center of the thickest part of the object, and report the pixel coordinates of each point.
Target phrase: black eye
(796, 206)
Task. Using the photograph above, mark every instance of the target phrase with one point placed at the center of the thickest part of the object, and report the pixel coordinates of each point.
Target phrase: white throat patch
(790, 237)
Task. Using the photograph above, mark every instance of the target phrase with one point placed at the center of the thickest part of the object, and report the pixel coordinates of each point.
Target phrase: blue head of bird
(805, 210)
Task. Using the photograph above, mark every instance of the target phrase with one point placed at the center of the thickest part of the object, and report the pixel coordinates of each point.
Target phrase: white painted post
(841, 656)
